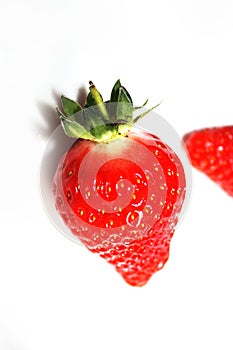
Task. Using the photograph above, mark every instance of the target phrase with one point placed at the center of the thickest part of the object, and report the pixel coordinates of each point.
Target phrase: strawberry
(119, 189)
(211, 152)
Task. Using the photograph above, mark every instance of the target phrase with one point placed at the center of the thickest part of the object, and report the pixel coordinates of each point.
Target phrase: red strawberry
(211, 151)
(118, 189)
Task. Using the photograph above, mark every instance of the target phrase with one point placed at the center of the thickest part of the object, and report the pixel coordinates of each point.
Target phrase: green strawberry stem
(98, 99)
(100, 121)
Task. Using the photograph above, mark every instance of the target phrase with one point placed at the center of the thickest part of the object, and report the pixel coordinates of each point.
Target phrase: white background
(54, 294)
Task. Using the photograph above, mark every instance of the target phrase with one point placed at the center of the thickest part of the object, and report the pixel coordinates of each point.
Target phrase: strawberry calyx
(97, 120)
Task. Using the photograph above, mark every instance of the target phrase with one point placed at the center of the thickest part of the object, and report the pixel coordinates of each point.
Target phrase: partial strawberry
(119, 189)
(211, 151)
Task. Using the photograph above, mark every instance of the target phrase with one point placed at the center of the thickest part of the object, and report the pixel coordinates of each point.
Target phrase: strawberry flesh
(211, 152)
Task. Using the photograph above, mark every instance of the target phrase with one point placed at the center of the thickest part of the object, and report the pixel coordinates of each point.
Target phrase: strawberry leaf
(115, 91)
(139, 107)
(139, 117)
(70, 107)
(75, 130)
(124, 96)
(72, 128)
(124, 108)
(90, 101)
(93, 118)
